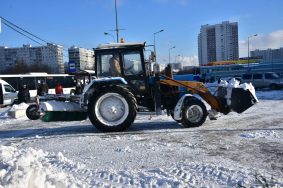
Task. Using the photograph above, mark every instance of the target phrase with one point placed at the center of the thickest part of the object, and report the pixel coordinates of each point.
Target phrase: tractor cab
(124, 60)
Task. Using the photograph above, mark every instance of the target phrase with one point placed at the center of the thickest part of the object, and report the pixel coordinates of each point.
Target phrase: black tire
(195, 106)
(127, 100)
(172, 115)
(32, 112)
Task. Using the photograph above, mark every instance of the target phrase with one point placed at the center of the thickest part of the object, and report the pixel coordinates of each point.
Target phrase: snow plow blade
(63, 116)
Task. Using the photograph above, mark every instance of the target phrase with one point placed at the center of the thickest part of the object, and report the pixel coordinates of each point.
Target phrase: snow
(237, 150)
(22, 106)
(32, 168)
(270, 95)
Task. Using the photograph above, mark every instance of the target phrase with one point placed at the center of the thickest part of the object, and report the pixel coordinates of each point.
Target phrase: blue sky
(83, 22)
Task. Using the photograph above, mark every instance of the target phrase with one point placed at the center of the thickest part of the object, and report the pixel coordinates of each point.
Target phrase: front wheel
(32, 112)
(194, 113)
(113, 109)
(172, 115)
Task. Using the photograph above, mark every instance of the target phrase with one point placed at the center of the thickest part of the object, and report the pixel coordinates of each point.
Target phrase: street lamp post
(249, 49)
(154, 42)
(116, 16)
(170, 53)
(105, 33)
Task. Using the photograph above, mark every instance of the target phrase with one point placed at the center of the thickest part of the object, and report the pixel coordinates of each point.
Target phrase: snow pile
(236, 84)
(262, 134)
(270, 95)
(4, 113)
(233, 83)
(18, 111)
(30, 168)
(15, 112)
(22, 106)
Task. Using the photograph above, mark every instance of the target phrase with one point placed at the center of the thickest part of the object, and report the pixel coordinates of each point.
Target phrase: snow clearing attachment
(125, 84)
(228, 97)
(56, 108)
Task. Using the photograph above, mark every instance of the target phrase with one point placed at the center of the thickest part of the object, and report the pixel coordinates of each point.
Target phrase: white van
(7, 93)
(264, 80)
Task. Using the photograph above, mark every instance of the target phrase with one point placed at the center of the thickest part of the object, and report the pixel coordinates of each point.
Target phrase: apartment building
(268, 54)
(218, 42)
(83, 58)
(50, 55)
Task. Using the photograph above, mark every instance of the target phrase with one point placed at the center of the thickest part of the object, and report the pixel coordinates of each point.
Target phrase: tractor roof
(120, 45)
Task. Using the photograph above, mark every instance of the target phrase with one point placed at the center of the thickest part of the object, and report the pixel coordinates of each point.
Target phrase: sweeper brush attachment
(61, 111)
(63, 116)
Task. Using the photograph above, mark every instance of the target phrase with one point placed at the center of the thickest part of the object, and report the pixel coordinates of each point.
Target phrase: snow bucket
(242, 99)
(235, 97)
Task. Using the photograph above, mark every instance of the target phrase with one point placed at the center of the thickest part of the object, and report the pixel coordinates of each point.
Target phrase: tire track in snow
(182, 175)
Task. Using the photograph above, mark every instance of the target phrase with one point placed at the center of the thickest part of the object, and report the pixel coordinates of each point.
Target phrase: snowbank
(18, 111)
(270, 95)
(14, 112)
(30, 168)
(22, 106)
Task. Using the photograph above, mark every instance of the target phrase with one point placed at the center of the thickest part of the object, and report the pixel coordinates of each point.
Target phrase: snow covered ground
(237, 150)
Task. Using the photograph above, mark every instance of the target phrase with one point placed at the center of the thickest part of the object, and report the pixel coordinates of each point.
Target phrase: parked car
(7, 93)
(264, 80)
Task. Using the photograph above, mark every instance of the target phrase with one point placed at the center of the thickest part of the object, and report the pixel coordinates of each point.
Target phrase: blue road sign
(72, 66)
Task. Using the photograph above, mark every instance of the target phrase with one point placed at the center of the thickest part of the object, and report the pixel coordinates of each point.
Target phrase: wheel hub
(194, 113)
(111, 109)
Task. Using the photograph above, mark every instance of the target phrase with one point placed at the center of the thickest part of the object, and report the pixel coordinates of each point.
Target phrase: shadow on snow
(136, 128)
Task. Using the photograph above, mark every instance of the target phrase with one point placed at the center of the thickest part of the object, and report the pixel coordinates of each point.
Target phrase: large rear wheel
(113, 109)
(194, 113)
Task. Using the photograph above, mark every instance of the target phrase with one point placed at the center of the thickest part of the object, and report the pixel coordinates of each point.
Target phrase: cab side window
(132, 63)
(108, 65)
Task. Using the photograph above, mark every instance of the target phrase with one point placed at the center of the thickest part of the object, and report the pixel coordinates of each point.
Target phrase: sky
(83, 23)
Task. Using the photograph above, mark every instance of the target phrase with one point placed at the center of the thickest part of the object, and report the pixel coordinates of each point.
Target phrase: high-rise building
(218, 42)
(50, 55)
(83, 58)
(268, 55)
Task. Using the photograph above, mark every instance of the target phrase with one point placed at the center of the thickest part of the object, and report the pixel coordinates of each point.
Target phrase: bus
(32, 80)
